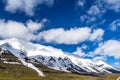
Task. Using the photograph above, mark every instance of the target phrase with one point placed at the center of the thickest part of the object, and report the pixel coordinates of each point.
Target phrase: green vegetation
(112, 77)
(21, 72)
(59, 75)
(16, 72)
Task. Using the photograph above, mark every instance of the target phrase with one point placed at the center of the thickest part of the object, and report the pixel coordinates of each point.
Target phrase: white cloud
(109, 48)
(97, 35)
(84, 46)
(33, 27)
(26, 6)
(72, 36)
(94, 10)
(31, 31)
(79, 52)
(83, 18)
(97, 10)
(116, 63)
(11, 29)
(87, 19)
(93, 14)
(81, 3)
(61, 36)
(109, 4)
(115, 25)
(113, 5)
(99, 58)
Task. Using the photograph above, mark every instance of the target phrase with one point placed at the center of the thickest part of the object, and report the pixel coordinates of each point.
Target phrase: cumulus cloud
(79, 52)
(26, 6)
(31, 31)
(72, 36)
(115, 25)
(109, 48)
(34, 26)
(9, 29)
(97, 35)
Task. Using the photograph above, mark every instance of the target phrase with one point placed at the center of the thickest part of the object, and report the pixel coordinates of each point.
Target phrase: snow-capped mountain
(53, 58)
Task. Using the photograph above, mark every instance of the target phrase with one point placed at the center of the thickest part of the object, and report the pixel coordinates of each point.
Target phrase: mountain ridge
(54, 58)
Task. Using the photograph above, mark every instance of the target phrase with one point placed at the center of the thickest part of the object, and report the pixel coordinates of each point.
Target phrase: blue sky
(88, 28)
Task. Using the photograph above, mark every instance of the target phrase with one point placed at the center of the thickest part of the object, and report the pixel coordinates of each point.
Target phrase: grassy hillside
(16, 72)
(20, 72)
(112, 77)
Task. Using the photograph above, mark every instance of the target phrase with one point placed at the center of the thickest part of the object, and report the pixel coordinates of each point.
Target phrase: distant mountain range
(27, 52)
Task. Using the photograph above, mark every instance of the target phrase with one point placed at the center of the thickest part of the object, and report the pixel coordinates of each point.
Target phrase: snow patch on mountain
(30, 65)
(103, 64)
(52, 57)
(7, 62)
(7, 46)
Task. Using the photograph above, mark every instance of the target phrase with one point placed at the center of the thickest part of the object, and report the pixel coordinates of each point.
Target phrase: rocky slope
(27, 52)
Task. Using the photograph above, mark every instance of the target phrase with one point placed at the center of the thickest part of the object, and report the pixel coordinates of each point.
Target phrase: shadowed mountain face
(14, 51)
(17, 71)
(6, 55)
